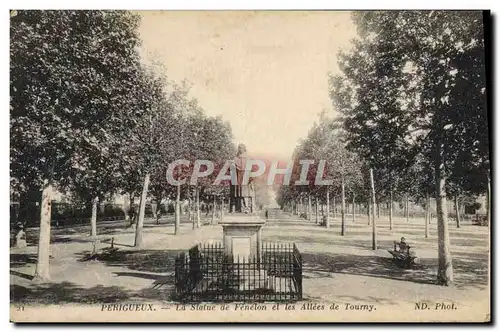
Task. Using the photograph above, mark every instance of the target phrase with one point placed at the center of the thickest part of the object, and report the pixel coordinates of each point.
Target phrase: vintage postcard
(249, 166)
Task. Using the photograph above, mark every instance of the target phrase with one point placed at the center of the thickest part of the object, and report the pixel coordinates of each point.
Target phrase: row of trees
(88, 117)
(324, 142)
(414, 121)
(413, 100)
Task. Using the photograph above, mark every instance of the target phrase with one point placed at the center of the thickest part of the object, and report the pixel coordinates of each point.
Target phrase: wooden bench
(403, 258)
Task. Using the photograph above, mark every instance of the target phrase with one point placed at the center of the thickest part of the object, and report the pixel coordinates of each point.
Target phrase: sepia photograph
(250, 166)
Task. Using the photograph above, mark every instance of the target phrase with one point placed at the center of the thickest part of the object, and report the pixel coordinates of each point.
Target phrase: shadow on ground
(19, 260)
(60, 233)
(329, 240)
(467, 273)
(158, 266)
(320, 264)
(55, 237)
(162, 289)
(21, 275)
(66, 292)
(470, 269)
(156, 261)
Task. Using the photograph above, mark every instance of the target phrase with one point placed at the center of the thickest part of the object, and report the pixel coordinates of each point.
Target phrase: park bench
(403, 258)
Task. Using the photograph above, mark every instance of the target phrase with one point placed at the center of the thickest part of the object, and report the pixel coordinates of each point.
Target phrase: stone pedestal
(242, 236)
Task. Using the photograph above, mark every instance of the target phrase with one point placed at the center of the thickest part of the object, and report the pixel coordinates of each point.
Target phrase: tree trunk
(353, 207)
(445, 268)
(374, 226)
(342, 207)
(154, 209)
(430, 211)
(198, 217)
(178, 210)
(427, 214)
(142, 210)
(316, 208)
(132, 221)
(125, 210)
(457, 211)
(369, 212)
(378, 210)
(190, 203)
(407, 209)
(93, 218)
(42, 272)
(157, 211)
(309, 207)
(334, 207)
(327, 207)
(390, 211)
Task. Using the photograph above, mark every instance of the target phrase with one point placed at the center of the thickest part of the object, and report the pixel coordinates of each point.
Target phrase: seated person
(402, 252)
(401, 246)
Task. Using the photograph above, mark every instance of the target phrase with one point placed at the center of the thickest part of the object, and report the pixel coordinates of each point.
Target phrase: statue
(242, 196)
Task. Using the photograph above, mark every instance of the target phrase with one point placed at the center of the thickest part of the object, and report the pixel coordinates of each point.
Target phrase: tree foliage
(412, 96)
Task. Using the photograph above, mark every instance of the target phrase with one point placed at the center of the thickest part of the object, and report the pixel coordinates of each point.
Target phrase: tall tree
(402, 97)
(71, 73)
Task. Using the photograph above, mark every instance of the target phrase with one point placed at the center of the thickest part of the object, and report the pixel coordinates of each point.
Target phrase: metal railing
(207, 274)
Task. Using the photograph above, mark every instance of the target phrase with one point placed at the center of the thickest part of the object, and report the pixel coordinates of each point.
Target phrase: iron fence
(207, 274)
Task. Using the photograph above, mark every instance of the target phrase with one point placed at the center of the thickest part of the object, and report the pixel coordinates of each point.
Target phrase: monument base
(273, 213)
(249, 280)
(242, 236)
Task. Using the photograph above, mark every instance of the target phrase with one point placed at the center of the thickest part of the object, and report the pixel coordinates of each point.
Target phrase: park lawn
(342, 269)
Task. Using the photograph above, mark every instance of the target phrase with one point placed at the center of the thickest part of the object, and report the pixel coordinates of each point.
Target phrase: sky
(266, 73)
